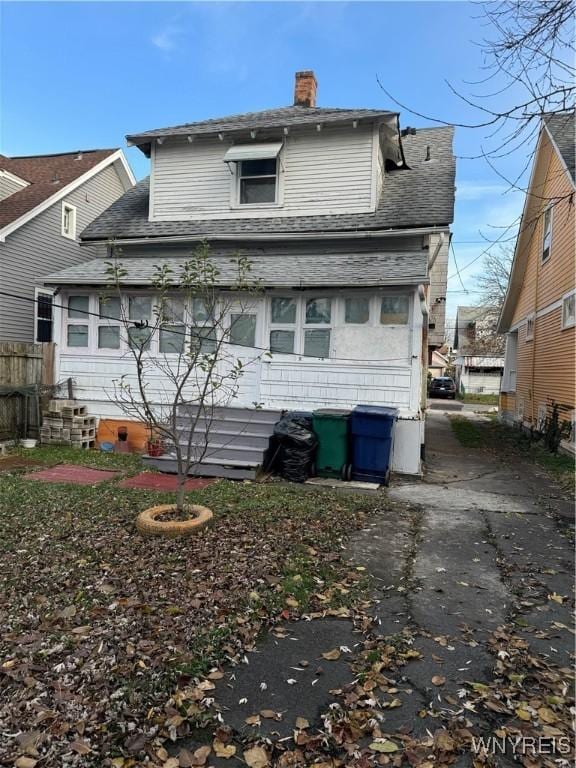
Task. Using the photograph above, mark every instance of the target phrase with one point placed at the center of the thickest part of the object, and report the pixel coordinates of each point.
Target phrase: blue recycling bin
(372, 431)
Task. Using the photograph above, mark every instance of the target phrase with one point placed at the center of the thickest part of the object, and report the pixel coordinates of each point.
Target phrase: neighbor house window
(394, 310)
(44, 316)
(569, 310)
(69, 221)
(109, 317)
(547, 234)
(357, 310)
(257, 180)
(530, 320)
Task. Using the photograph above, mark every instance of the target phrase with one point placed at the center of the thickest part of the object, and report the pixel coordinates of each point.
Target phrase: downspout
(439, 245)
(424, 351)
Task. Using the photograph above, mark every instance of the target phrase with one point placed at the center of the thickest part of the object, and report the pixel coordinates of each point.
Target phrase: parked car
(442, 386)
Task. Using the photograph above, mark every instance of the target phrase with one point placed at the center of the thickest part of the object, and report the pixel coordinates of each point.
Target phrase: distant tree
(492, 281)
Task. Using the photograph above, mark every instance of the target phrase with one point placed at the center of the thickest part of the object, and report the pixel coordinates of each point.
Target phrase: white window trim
(235, 203)
(72, 208)
(47, 292)
(571, 323)
(87, 320)
(550, 209)
(530, 331)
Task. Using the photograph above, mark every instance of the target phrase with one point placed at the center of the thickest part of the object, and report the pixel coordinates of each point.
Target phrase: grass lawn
(508, 442)
(99, 625)
(480, 399)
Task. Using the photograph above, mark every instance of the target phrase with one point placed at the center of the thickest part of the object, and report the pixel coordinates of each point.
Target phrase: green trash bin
(331, 428)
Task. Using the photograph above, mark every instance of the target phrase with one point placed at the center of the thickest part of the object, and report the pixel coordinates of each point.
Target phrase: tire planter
(147, 523)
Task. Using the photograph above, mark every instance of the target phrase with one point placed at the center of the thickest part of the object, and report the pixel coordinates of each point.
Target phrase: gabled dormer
(300, 160)
(9, 182)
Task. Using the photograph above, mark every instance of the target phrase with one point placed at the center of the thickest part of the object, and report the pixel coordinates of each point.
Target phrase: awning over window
(253, 152)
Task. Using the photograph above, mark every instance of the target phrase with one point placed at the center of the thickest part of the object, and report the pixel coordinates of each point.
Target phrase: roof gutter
(260, 236)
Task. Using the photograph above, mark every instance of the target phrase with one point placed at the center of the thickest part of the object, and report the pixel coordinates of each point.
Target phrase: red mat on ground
(74, 474)
(159, 482)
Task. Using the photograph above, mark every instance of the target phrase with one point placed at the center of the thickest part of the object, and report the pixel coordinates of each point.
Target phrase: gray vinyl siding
(38, 248)
(8, 186)
(327, 171)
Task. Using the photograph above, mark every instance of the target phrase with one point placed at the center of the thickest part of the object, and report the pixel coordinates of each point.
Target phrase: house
(45, 202)
(438, 364)
(346, 221)
(479, 361)
(539, 312)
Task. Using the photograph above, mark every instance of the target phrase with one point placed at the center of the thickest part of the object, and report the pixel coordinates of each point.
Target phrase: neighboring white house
(479, 361)
(345, 219)
(45, 202)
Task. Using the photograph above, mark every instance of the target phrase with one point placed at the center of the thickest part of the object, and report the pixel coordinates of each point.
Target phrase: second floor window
(257, 181)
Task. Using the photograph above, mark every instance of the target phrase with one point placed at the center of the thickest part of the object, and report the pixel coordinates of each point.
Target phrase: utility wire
(202, 337)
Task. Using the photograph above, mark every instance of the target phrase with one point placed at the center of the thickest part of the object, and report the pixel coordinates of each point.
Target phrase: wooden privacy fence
(26, 371)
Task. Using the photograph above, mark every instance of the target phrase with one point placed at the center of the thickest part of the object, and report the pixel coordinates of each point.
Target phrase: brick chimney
(305, 87)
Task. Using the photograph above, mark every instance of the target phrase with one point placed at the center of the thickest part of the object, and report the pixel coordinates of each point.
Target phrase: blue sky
(78, 75)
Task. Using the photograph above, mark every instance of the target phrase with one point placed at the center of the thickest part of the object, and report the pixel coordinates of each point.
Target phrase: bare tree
(197, 329)
(492, 281)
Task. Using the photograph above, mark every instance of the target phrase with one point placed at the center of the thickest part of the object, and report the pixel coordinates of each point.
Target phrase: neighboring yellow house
(539, 312)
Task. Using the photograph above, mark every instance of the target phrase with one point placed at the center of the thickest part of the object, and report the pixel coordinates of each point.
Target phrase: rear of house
(539, 313)
(345, 221)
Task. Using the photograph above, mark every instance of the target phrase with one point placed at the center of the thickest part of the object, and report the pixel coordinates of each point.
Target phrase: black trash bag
(297, 446)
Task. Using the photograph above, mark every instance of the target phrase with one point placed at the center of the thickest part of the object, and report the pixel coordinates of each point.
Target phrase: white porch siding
(321, 172)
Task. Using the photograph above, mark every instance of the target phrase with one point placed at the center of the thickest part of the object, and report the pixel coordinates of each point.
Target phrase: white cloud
(477, 190)
(167, 39)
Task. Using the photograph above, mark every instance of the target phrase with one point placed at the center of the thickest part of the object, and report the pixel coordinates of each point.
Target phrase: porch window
(109, 316)
(202, 332)
(172, 327)
(284, 314)
(139, 311)
(394, 310)
(243, 330)
(78, 321)
(301, 326)
(357, 310)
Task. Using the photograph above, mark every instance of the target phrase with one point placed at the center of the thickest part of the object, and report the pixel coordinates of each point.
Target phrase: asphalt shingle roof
(268, 118)
(46, 174)
(292, 269)
(421, 195)
(562, 130)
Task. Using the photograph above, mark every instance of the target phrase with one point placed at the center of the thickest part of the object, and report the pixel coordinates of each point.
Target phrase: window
(78, 307)
(109, 316)
(257, 180)
(203, 333)
(284, 313)
(394, 310)
(357, 310)
(530, 327)
(69, 221)
(44, 316)
(569, 310)
(139, 311)
(77, 321)
(172, 328)
(243, 330)
(297, 326)
(547, 234)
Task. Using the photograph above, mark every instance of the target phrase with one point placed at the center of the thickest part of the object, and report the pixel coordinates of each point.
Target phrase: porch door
(245, 324)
